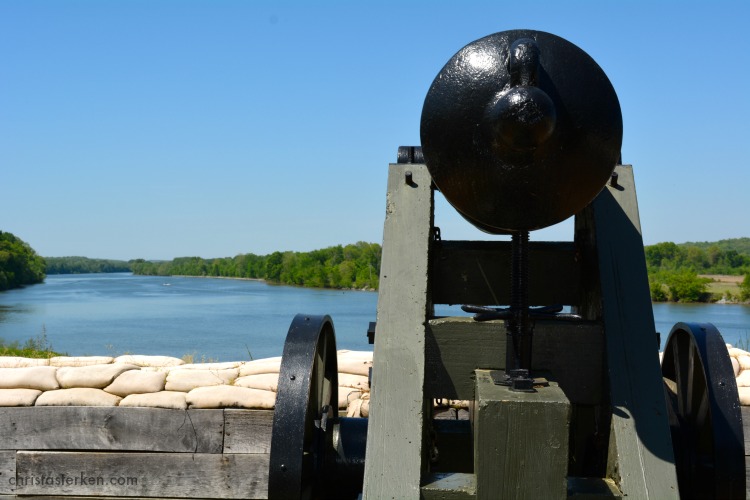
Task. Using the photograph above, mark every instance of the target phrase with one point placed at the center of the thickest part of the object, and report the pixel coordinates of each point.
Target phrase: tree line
(345, 267)
(19, 263)
(674, 271)
(83, 265)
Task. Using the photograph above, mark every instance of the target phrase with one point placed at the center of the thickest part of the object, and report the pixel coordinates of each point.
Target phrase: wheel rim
(307, 397)
(704, 413)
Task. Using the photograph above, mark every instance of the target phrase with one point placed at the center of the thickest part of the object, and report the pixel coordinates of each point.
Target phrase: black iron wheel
(704, 413)
(307, 399)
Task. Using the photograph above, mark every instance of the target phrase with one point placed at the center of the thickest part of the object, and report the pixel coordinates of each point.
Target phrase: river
(224, 319)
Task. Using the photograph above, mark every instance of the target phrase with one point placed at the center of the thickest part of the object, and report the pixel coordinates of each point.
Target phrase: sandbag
(144, 360)
(347, 395)
(80, 396)
(743, 379)
(744, 361)
(137, 382)
(164, 399)
(18, 397)
(355, 381)
(354, 362)
(96, 376)
(265, 365)
(227, 365)
(34, 377)
(359, 407)
(187, 380)
(20, 362)
(264, 381)
(735, 366)
(735, 352)
(80, 360)
(744, 393)
(230, 396)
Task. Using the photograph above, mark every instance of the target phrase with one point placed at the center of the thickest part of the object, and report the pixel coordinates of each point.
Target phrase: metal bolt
(292, 377)
(409, 177)
(613, 179)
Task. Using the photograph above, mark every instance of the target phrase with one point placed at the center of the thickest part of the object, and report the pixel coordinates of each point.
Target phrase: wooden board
(247, 431)
(520, 441)
(642, 461)
(571, 352)
(399, 405)
(478, 272)
(178, 475)
(7, 471)
(111, 429)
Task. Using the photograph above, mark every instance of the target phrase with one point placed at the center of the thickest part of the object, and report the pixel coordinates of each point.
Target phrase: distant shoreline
(212, 277)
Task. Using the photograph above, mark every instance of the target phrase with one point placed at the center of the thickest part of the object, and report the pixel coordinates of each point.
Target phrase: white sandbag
(355, 381)
(264, 381)
(96, 376)
(744, 361)
(359, 407)
(743, 379)
(144, 360)
(163, 399)
(744, 393)
(18, 397)
(735, 353)
(34, 377)
(354, 362)
(80, 360)
(137, 382)
(230, 396)
(347, 395)
(187, 380)
(227, 365)
(20, 362)
(265, 365)
(735, 366)
(80, 396)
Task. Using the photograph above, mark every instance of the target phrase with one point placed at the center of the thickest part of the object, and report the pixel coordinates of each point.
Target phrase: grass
(36, 347)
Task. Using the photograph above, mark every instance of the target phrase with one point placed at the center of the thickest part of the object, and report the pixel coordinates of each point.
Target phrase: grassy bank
(37, 347)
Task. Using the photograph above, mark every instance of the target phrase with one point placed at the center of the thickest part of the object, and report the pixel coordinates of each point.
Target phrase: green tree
(19, 263)
(686, 286)
(745, 288)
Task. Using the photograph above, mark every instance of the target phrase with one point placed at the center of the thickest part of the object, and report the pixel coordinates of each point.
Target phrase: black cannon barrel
(520, 130)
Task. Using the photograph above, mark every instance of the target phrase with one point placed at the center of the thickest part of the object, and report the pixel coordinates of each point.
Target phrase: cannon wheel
(307, 398)
(704, 413)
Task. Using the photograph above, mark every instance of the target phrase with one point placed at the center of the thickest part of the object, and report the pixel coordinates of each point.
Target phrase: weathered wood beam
(570, 352)
(478, 272)
(520, 441)
(179, 475)
(642, 460)
(111, 429)
(399, 407)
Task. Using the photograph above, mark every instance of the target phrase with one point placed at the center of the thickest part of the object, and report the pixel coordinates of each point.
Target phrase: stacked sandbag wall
(164, 382)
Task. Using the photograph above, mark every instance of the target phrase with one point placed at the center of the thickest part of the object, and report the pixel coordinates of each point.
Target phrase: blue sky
(159, 129)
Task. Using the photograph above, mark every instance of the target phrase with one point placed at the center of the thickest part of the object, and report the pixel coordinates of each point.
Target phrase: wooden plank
(478, 272)
(520, 441)
(398, 405)
(247, 431)
(640, 440)
(111, 428)
(7, 472)
(571, 352)
(179, 475)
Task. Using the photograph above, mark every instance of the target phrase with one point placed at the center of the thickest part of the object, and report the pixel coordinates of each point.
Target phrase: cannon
(559, 361)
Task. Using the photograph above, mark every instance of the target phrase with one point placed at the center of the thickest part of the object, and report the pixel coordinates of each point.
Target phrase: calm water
(112, 314)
